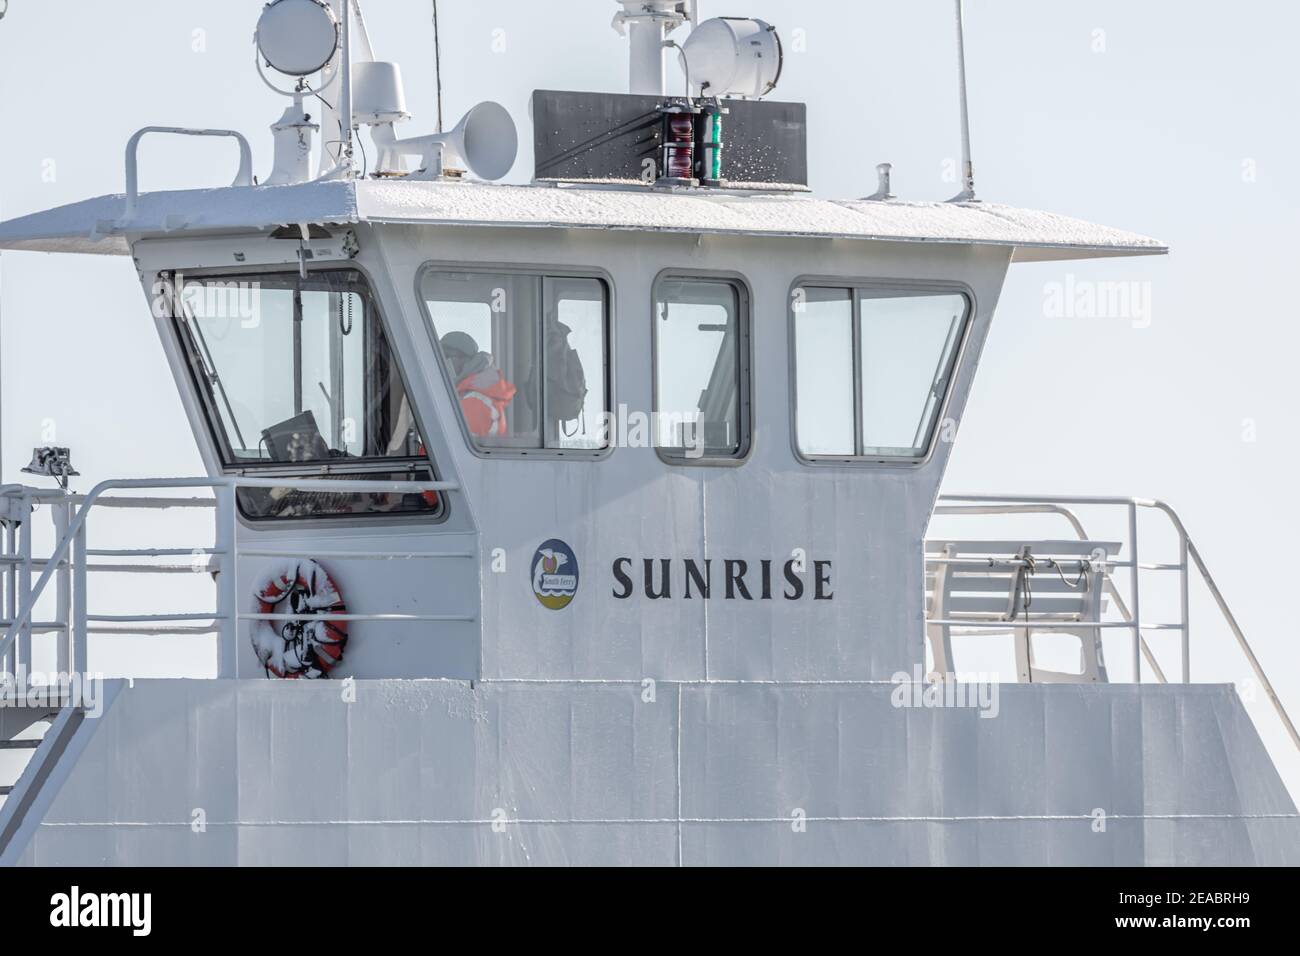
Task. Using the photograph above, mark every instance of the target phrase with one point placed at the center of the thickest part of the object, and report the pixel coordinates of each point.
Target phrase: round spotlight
(298, 37)
(731, 56)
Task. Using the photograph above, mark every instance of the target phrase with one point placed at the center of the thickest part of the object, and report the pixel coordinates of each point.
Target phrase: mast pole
(345, 95)
(4, 8)
(967, 193)
(437, 62)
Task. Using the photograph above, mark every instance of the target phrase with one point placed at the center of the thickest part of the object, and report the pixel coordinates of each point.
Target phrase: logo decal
(555, 574)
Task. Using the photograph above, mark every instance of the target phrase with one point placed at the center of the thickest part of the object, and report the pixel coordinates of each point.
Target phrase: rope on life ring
(304, 647)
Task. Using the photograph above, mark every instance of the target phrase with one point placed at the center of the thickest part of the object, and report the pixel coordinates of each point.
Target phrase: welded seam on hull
(602, 821)
(680, 857)
(639, 681)
(704, 544)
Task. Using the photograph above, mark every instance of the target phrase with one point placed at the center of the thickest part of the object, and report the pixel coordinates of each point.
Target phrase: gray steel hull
(442, 772)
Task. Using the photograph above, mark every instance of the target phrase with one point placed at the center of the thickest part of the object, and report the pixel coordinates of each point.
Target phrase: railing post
(1137, 598)
(1184, 602)
(23, 650)
(226, 542)
(80, 638)
(11, 591)
(62, 591)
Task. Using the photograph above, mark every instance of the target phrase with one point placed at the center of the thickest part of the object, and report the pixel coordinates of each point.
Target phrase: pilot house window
(872, 370)
(527, 357)
(297, 377)
(701, 336)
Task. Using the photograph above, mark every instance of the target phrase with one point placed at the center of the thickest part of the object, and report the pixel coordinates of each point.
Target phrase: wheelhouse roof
(97, 226)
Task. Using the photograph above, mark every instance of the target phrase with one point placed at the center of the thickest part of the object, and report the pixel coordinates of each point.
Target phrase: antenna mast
(646, 24)
(967, 193)
(4, 8)
(437, 62)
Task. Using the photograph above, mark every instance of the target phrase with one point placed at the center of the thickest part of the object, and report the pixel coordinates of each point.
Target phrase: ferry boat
(596, 520)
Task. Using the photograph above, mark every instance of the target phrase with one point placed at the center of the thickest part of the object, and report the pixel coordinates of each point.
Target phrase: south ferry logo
(555, 574)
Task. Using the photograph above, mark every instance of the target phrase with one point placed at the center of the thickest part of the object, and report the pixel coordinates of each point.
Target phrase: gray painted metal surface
(418, 772)
(867, 520)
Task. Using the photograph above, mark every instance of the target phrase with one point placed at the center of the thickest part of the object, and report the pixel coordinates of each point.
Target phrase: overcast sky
(1170, 118)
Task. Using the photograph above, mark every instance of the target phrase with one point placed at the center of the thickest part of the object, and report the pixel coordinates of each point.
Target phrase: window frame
(865, 289)
(543, 272)
(744, 370)
(222, 453)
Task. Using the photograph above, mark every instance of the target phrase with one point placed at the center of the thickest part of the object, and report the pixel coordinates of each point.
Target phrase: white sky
(1170, 118)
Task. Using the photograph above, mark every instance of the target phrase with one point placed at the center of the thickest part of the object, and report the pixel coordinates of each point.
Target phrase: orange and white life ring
(303, 646)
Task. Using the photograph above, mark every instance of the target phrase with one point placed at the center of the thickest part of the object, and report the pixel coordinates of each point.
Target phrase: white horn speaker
(485, 143)
(485, 140)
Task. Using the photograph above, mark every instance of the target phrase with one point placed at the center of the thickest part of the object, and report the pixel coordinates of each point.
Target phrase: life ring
(304, 647)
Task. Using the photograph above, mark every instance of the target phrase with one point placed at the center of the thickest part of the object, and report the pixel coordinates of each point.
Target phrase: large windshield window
(872, 370)
(297, 376)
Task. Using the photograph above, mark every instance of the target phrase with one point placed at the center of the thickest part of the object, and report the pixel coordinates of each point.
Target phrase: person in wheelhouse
(484, 392)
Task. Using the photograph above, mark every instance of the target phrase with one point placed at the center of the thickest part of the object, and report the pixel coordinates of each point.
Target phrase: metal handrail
(985, 504)
(242, 178)
(74, 538)
(1228, 616)
(1111, 591)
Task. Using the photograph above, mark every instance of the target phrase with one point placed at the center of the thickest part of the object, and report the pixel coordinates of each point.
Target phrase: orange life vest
(484, 397)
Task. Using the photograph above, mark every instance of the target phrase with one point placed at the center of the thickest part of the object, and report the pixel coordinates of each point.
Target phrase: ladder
(26, 718)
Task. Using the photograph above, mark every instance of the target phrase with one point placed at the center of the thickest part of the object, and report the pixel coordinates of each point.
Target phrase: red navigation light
(680, 152)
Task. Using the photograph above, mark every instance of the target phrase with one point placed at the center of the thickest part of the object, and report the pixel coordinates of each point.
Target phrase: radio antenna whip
(4, 8)
(437, 62)
(967, 193)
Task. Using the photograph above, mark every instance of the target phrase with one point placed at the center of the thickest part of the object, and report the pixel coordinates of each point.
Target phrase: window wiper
(210, 370)
(938, 383)
(329, 402)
